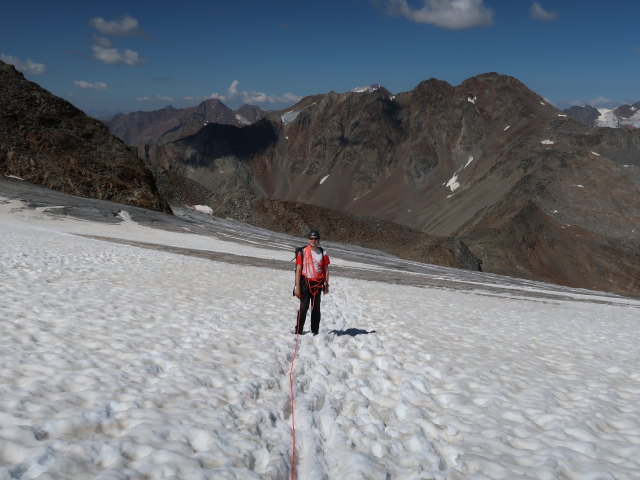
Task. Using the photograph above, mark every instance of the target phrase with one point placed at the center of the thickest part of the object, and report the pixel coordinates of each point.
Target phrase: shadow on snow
(352, 332)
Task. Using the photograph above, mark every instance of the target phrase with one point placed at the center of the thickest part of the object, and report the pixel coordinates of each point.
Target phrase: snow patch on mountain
(609, 118)
(291, 115)
(453, 183)
(203, 209)
(366, 89)
(242, 120)
(469, 160)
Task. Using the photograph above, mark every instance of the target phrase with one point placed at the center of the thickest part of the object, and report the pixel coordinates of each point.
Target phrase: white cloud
(103, 41)
(254, 97)
(232, 92)
(123, 26)
(157, 97)
(452, 14)
(103, 48)
(98, 86)
(113, 56)
(25, 66)
(539, 13)
(233, 88)
(596, 102)
(260, 97)
(600, 102)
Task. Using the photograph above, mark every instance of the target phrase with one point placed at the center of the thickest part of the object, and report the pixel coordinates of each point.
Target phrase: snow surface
(119, 362)
(203, 209)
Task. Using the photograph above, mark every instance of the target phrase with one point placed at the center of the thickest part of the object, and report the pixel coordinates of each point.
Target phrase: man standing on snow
(312, 277)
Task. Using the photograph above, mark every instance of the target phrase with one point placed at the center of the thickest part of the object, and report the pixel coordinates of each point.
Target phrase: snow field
(118, 362)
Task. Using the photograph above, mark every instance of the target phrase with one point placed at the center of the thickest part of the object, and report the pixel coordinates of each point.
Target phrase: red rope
(293, 424)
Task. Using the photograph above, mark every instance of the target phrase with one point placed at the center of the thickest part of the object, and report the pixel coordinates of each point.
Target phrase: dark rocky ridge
(169, 124)
(47, 141)
(585, 114)
(532, 192)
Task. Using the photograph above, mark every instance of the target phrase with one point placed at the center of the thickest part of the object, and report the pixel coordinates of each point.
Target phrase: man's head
(314, 237)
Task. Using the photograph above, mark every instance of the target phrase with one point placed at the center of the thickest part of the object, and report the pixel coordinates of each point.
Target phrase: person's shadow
(352, 332)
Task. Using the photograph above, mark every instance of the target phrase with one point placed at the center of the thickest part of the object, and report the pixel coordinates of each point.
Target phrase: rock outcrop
(47, 141)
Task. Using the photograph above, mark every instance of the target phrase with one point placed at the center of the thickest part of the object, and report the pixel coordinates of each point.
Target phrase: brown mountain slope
(297, 218)
(47, 141)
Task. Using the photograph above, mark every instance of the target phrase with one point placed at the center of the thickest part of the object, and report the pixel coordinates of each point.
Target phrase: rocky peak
(47, 141)
(250, 113)
(586, 114)
(627, 111)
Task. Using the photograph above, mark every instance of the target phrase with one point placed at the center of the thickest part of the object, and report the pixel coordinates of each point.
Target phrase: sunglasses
(314, 238)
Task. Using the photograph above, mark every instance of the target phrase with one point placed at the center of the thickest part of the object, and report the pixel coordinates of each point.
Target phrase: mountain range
(623, 116)
(47, 141)
(531, 191)
(169, 124)
(483, 173)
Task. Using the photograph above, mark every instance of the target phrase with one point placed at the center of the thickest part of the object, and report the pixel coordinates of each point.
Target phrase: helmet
(313, 233)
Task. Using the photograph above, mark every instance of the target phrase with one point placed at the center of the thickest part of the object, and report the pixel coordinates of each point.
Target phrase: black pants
(309, 299)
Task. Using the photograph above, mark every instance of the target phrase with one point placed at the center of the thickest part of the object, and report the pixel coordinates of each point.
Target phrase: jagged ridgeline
(169, 124)
(531, 191)
(47, 141)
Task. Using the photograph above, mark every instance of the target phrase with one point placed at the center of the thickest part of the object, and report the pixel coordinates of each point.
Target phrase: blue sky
(142, 55)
